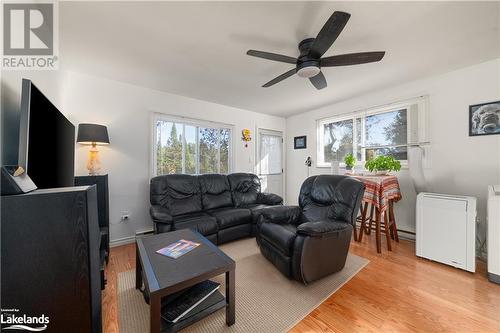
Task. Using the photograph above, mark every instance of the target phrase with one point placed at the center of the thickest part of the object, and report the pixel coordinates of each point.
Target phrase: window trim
(156, 116)
(421, 102)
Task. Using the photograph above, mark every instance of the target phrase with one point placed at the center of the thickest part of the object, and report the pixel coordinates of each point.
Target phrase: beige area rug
(266, 301)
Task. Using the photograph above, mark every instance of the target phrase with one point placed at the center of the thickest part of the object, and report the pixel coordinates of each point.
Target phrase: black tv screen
(46, 140)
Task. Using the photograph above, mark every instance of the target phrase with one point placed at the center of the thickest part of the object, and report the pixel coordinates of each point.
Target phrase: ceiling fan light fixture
(310, 60)
(308, 71)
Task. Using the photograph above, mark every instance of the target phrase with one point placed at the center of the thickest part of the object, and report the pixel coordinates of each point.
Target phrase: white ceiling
(197, 49)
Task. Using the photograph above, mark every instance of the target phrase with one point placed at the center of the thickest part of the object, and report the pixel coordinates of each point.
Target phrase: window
(367, 134)
(337, 139)
(190, 147)
(386, 134)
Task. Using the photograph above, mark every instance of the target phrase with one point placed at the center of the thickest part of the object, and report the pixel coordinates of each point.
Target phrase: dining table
(381, 192)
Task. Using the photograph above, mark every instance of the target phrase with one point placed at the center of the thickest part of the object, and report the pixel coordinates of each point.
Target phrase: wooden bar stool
(362, 219)
(392, 222)
(384, 221)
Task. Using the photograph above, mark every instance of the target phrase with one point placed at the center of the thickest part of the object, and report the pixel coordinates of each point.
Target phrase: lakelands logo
(10, 319)
(29, 36)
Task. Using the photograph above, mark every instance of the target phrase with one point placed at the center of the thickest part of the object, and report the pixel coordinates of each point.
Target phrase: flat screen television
(46, 140)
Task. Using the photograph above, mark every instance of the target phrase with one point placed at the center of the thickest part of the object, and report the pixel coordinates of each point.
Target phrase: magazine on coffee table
(177, 249)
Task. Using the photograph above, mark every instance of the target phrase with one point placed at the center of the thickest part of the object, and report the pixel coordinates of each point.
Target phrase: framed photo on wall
(300, 142)
(484, 119)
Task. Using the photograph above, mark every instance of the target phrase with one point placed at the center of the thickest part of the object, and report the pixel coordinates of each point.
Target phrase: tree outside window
(367, 136)
(190, 149)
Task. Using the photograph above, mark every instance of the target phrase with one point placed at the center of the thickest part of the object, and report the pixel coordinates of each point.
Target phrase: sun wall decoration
(246, 136)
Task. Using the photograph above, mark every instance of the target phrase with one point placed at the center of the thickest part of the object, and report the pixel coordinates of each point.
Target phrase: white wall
(459, 164)
(126, 110)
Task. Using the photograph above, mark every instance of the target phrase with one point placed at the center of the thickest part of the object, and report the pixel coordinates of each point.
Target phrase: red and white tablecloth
(380, 189)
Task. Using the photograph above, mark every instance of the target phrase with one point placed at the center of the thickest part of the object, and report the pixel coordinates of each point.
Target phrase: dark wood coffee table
(163, 276)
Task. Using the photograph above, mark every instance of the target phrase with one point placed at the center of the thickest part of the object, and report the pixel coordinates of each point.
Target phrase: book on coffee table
(181, 304)
(177, 249)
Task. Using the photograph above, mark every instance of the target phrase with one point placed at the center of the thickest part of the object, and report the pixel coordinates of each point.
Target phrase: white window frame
(418, 131)
(190, 122)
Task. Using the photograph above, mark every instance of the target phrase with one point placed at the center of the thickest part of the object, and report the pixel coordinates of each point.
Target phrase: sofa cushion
(281, 236)
(229, 217)
(233, 233)
(179, 194)
(215, 191)
(256, 210)
(245, 188)
(160, 214)
(201, 222)
(269, 199)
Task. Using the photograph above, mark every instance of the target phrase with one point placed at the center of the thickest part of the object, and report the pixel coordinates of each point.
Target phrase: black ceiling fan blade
(352, 59)
(318, 81)
(328, 34)
(272, 56)
(280, 78)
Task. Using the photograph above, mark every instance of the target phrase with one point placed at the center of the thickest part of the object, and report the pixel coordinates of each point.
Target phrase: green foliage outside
(350, 160)
(382, 163)
(338, 146)
(169, 154)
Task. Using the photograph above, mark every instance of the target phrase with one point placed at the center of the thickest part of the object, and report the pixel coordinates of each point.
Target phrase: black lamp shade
(92, 133)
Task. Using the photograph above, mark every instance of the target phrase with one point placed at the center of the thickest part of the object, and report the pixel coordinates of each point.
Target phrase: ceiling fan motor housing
(307, 66)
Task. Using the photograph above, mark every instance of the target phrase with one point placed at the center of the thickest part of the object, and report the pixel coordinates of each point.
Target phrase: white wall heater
(493, 239)
(446, 229)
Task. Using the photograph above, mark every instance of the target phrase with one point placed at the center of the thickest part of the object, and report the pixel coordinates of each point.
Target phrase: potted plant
(350, 161)
(382, 165)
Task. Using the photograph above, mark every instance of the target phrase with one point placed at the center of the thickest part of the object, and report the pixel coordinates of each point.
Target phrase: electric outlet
(125, 215)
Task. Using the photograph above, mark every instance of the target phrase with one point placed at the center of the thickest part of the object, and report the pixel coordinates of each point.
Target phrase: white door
(270, 161)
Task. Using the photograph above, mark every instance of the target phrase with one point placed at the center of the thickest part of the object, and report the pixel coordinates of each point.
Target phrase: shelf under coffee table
(163, 276)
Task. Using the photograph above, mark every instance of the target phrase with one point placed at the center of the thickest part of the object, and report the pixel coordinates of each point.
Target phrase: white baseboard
(129, 239)
(122, 241)
(408, 235)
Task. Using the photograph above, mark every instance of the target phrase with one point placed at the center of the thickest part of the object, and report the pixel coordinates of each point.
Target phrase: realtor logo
(28, 29)
(29, 36)
(12, 319)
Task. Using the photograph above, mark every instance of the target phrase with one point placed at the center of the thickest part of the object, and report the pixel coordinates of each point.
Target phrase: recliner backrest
(215, 191)
(331, 197)
(245, 188)
(179, 194)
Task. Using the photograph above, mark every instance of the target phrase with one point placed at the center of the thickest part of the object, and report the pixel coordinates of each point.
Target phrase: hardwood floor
(395, 292)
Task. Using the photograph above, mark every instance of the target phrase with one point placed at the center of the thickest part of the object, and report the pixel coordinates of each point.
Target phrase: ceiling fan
(309, 62)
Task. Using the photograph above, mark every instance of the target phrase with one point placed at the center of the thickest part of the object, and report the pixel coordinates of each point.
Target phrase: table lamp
(93, 134)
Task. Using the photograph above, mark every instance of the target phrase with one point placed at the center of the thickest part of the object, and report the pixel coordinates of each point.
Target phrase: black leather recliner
(310, 241)
(220, 207)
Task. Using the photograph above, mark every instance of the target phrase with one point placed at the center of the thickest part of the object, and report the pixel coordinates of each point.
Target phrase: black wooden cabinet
(50, 257)
(101, 182)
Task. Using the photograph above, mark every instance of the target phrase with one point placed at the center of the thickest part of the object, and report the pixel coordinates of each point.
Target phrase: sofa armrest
(280, 215)
(160, 214)
(322, 228)
(269, 199)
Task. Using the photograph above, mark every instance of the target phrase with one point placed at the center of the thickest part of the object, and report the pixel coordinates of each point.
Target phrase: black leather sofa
(310, 241)
(220, 207)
